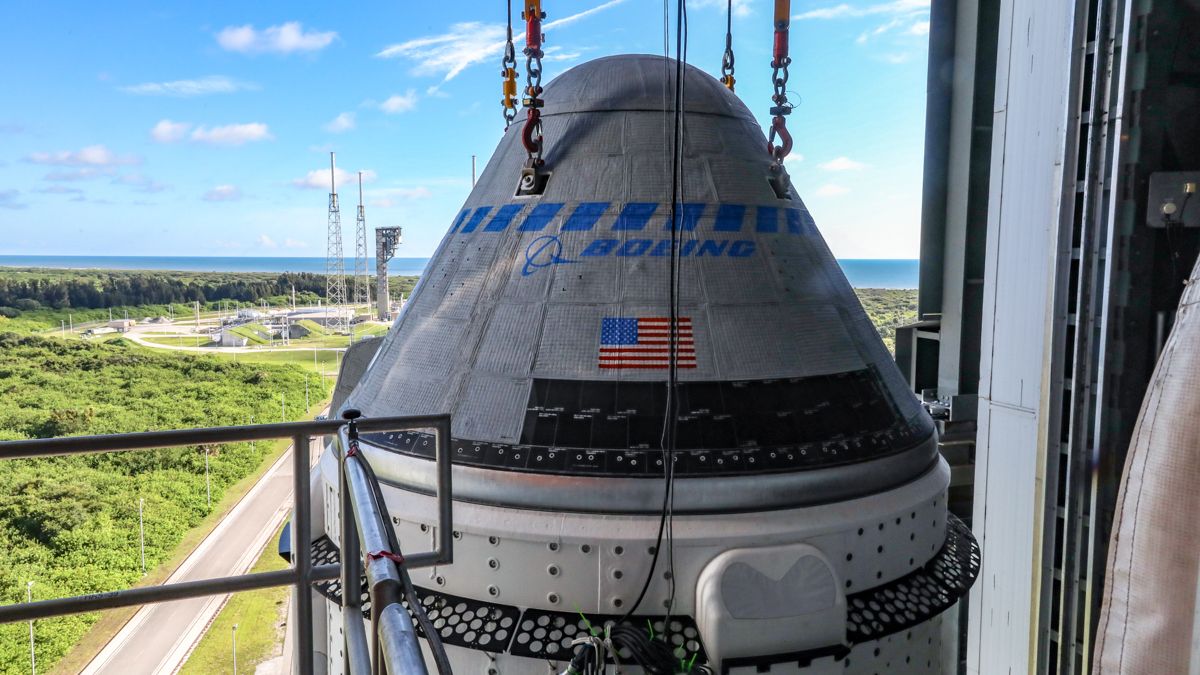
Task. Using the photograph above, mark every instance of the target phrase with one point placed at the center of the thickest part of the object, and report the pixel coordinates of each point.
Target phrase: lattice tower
(335, 266)
(362, 277)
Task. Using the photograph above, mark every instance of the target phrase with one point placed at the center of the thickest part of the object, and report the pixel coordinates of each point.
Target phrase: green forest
(33, 299)
(71, 524)
(889, 308)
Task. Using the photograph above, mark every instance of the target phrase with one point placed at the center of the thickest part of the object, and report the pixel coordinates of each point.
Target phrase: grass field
(259, 615)
(315, 361)
(179, 340)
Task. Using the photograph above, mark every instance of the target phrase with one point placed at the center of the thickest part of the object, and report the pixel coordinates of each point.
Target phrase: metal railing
(362, 520)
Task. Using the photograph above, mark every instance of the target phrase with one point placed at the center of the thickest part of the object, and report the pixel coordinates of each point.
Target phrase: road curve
(159, 637)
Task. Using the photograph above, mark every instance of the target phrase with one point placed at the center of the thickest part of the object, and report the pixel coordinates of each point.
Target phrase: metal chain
(508, 72)
(779, 78)
(531, 135)
(727, 78)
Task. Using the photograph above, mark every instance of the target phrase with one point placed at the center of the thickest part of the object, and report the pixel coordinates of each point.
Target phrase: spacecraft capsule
(809, 507)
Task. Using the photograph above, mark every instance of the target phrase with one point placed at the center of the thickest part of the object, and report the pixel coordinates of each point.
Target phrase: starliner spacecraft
(808, 528)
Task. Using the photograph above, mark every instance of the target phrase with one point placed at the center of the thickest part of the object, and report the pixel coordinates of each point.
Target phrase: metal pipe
(443, 554)
(357, 658)
(48, 447)
(400, 650)
(302, 553)
(129, 597)
(358, 655)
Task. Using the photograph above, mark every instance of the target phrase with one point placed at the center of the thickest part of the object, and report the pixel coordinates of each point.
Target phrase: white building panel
(1033, 94)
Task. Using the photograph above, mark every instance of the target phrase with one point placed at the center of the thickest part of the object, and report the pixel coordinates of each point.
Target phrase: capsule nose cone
(544, 325)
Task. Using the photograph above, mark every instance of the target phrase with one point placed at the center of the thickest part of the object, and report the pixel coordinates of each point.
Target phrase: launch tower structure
(386, 241)
(362, 279)
(335, 272)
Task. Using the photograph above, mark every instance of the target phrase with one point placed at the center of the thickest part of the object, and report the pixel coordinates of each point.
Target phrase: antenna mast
(362, 279)
(335, 266)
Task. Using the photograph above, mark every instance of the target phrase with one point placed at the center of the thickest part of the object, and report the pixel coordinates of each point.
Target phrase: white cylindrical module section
(594, 565)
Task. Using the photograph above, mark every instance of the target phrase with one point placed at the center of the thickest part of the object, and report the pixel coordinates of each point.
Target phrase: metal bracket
(533, 182)
(1172, 201)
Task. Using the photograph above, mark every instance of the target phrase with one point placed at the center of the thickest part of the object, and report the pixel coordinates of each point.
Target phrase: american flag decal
(645, 342)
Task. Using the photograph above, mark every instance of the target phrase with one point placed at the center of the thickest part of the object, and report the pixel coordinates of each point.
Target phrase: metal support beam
(95, 602)
(302, 551)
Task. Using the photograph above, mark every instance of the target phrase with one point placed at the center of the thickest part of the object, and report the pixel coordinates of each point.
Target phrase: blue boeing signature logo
(544, 252)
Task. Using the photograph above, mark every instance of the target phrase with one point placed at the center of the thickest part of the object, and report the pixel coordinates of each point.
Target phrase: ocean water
(862, 273)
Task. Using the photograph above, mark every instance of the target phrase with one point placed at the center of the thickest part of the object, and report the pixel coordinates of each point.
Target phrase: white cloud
(389, 197)
(265, 241)
(559, 54)
(293, 243)
(167, 131)
(139, 182)
(831, 190)
(232, 134)
(466, 44)
(341, 123)
(318, 179)
(9, 199)
(841, 164)
(282, 39)
(223, 193)
(213, 84)
(92, 155)
(912, 16)
(740, 7)
(399, 103)
(897, 58)
(794, 158)
(846, 11)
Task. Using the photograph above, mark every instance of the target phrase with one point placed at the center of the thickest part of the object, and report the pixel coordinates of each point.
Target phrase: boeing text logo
(630, 224)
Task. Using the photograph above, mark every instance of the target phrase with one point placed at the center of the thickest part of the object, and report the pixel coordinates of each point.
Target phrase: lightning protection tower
(362, 278)
(335, 266)
(386, 241)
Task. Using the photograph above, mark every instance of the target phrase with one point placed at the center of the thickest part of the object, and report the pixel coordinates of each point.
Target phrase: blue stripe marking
(688, 215)
(729, 218)
(585, 215)
(768, 219)
(635, 216)
(476, 219)
(503, 217)
(459, 220)
(539, 217)
(799, 221)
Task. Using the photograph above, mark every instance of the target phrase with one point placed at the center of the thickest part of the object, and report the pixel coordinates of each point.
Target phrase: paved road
(135, 337)
(159, 637)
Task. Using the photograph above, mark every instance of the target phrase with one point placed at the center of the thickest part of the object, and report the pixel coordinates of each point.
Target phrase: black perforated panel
(725, 428)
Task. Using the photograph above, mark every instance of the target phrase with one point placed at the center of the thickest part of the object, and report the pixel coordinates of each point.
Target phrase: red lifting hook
(532, 124)
(779, 127)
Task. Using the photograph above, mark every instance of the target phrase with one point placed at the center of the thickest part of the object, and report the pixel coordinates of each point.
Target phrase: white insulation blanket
(1148, 616)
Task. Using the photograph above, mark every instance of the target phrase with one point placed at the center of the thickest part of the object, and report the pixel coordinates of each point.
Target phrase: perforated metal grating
(914, 598)
(872, 614)
(548, 635)
(464, 622)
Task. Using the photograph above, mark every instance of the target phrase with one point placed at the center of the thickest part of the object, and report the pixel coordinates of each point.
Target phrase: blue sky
(137, 128)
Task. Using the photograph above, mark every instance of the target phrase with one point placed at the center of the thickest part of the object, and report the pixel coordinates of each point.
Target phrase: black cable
(668, 444)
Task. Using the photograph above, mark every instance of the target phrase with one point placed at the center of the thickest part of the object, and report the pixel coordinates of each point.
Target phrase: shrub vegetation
(70, 524)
